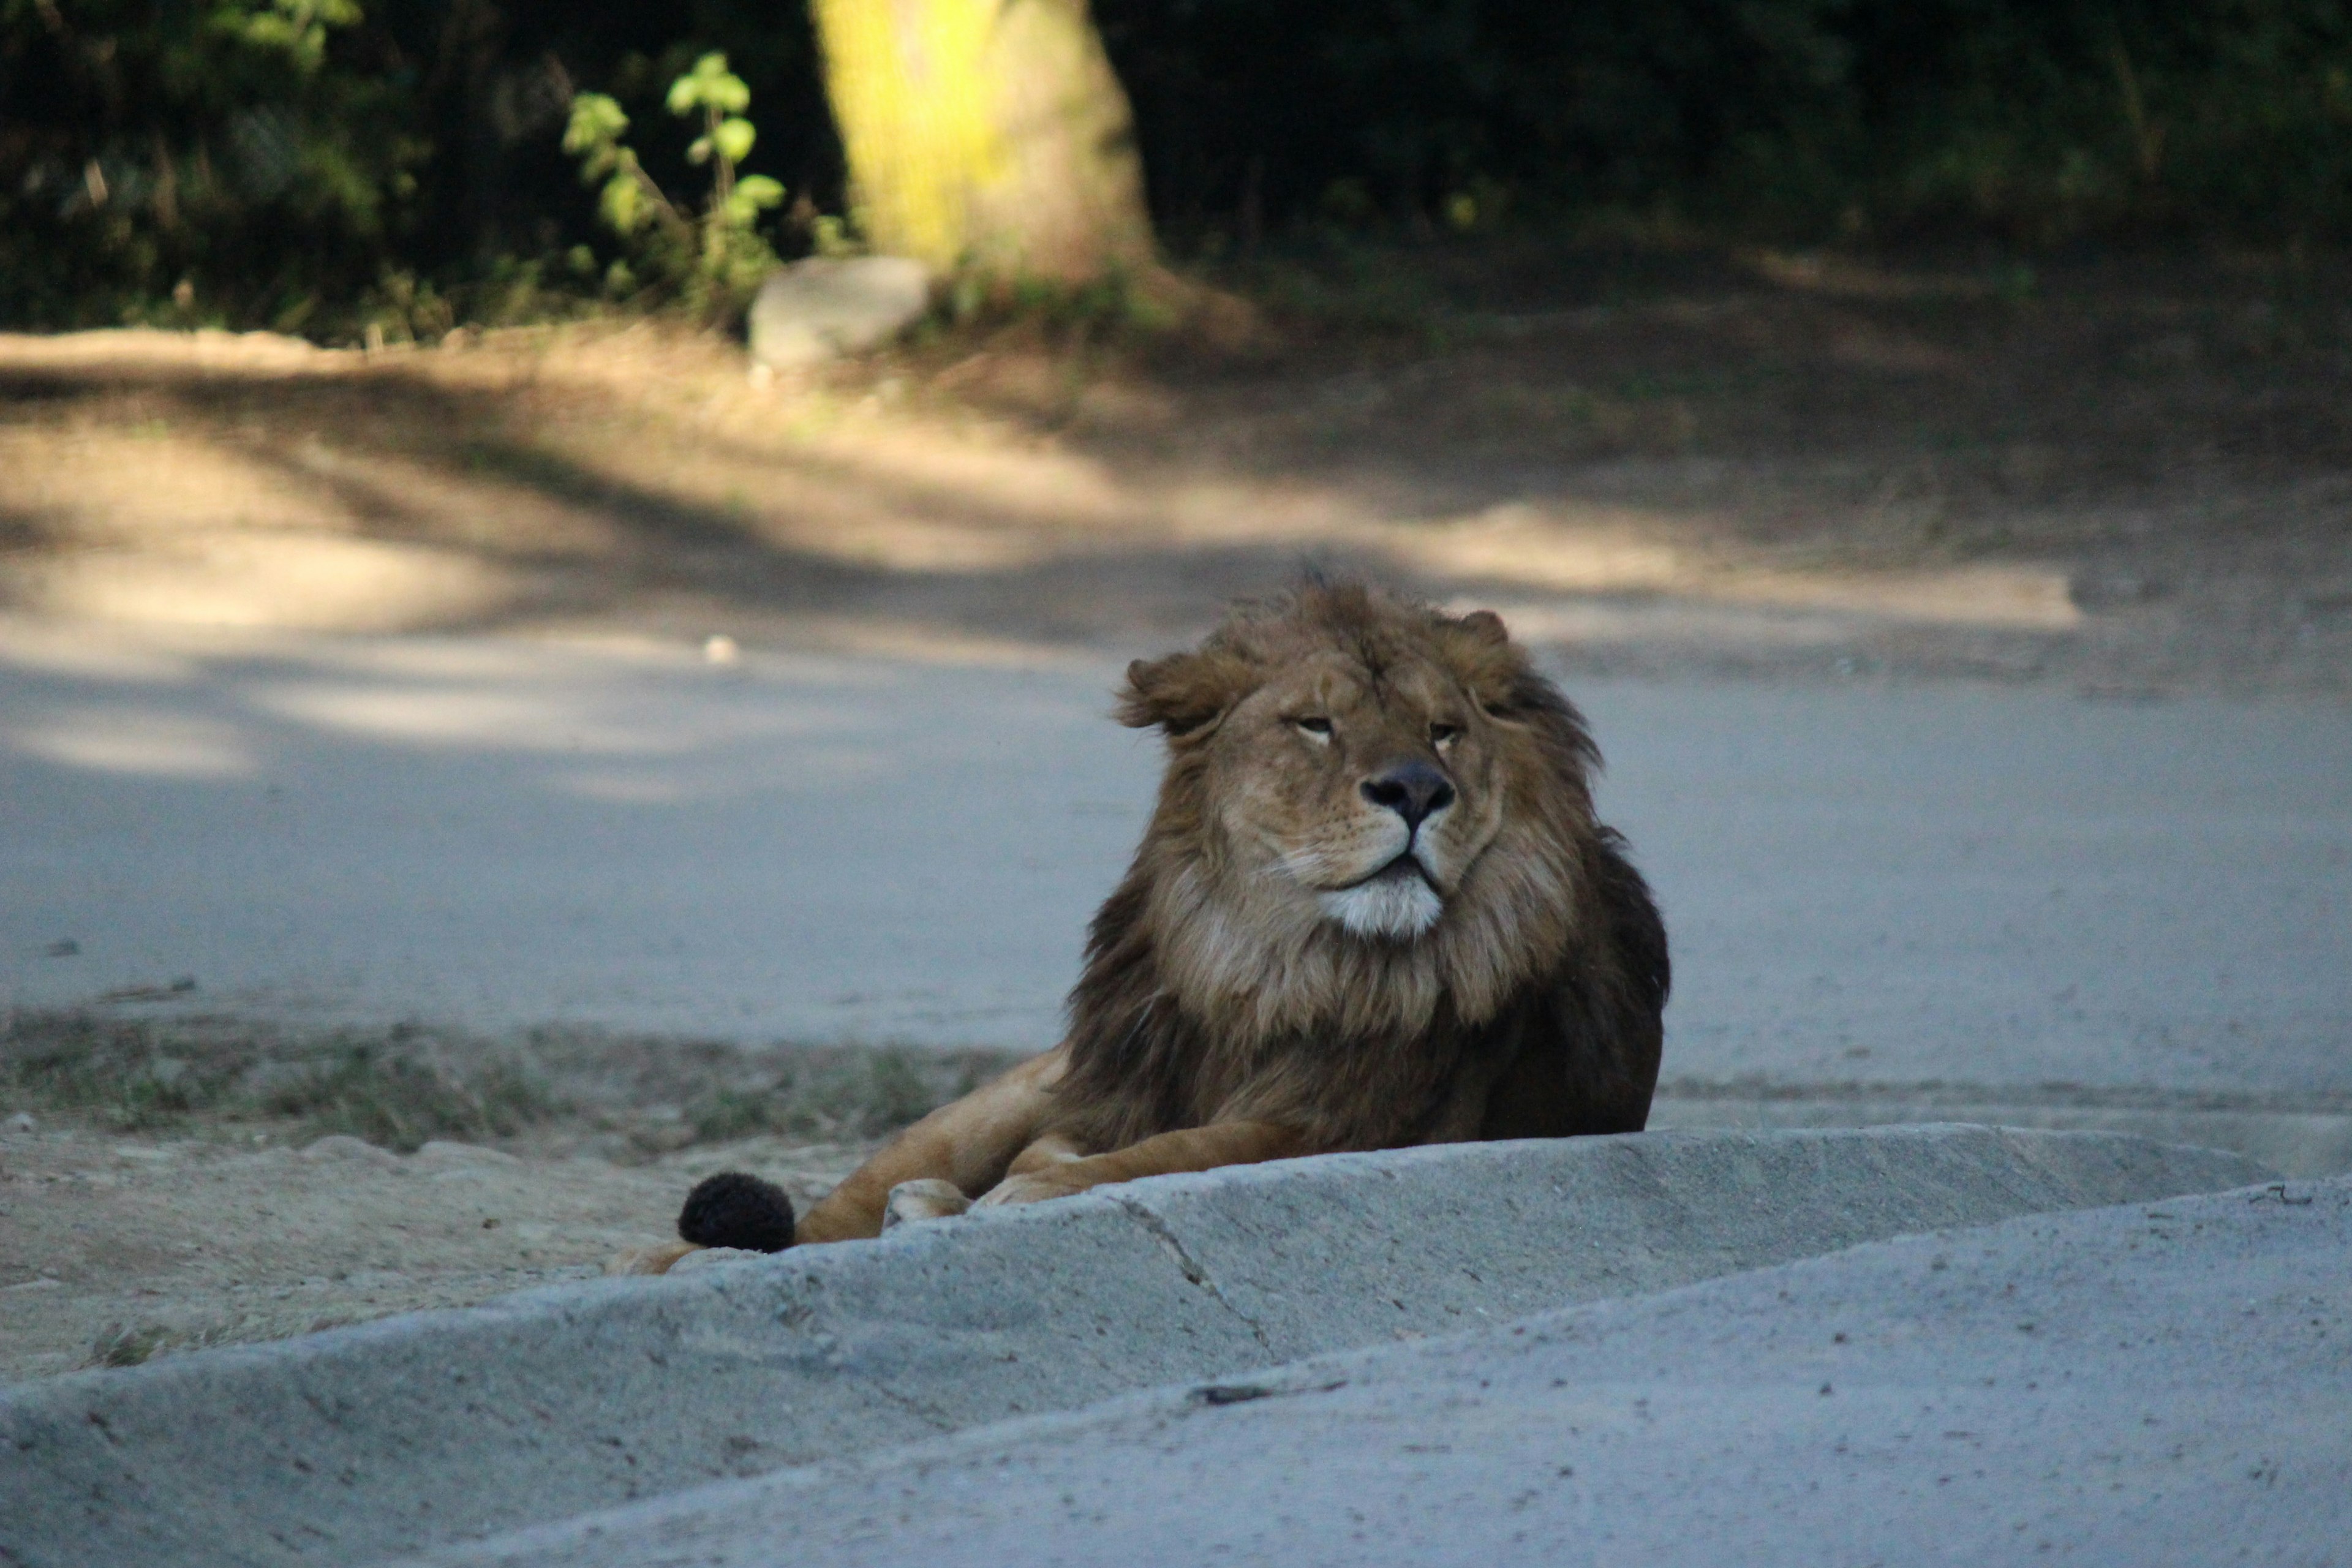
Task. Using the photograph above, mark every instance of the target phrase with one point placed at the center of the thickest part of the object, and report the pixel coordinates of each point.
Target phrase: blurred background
(314, 165)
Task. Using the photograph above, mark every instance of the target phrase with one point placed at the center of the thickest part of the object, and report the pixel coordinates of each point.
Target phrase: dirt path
(2132, 478)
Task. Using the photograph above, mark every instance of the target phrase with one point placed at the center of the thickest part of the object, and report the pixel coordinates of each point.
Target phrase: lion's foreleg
(969, 1144)
(1057, 1173)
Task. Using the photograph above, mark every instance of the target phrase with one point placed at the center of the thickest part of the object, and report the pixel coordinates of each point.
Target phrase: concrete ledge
(2312, 1138)
(2135, 1385)
(415, 1432)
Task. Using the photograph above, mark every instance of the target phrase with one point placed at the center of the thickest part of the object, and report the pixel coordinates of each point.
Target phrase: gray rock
(821, 308)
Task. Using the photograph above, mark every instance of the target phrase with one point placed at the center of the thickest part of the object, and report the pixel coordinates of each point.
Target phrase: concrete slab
(2139, 1385)
(350, 1445)
(1982, 890)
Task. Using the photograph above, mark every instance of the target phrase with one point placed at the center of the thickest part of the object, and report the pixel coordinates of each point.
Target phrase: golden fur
(1373, 909)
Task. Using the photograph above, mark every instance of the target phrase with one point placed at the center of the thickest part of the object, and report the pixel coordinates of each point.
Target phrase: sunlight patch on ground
(2030, 599)
(296, 581)
(692, 780)
(1515, 543)
(1596, 622)
(924, 643)
(136, 741)
(87, 652)
(453, 716)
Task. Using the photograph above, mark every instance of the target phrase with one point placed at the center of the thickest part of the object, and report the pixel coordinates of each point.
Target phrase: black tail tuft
(731, 1209)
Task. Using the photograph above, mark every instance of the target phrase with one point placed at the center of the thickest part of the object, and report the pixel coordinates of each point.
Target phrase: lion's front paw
(928, 1198)
(1034, 1188)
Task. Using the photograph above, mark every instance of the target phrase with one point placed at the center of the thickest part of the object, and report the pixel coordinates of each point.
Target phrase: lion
(1373, 909)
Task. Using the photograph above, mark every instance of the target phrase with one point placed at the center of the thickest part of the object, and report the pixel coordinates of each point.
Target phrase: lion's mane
(1530, 1009)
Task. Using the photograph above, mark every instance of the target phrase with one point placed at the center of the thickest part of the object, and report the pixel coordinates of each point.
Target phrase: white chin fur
(1396, 908)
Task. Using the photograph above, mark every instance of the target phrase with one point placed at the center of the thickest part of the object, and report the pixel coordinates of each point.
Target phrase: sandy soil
(115, 1248)
(169, 1187)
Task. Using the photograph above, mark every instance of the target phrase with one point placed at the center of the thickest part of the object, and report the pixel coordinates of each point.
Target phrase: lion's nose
(1412, 790)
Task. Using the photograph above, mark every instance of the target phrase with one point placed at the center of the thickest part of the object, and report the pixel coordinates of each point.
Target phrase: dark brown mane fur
(1531, 1009)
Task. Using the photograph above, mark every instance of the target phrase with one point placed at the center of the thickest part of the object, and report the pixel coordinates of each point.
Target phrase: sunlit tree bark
(986, 133)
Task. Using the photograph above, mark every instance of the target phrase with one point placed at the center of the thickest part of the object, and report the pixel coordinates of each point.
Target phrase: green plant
(715, 258)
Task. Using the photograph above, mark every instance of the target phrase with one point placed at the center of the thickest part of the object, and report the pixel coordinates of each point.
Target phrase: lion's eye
(1318, 728)
(1444, 734)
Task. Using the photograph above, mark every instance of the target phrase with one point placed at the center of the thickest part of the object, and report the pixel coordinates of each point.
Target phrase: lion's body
(1373, 909)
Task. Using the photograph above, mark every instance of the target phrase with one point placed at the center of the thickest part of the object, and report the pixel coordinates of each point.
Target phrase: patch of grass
(841, 1093)
(115, 1072)
(401, 1103)
(402, 1086)
(397, 1090)
(118, 1345)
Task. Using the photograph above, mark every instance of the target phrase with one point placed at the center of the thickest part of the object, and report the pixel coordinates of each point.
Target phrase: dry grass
(401, 1088)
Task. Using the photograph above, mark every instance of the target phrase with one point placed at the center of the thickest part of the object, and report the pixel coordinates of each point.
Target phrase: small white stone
(23, 1122)
(825, 306)
(720, 649)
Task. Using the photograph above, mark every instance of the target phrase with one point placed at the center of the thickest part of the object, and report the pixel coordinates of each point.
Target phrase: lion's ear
(1184, 691)
(1486, 626)
(1479, 650)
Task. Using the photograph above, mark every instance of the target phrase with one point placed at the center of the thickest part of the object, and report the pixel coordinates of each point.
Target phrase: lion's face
(1374, 836)
(1353, 779)
(1367, 793)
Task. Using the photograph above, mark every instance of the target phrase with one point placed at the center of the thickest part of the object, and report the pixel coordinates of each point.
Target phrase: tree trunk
(986, 133)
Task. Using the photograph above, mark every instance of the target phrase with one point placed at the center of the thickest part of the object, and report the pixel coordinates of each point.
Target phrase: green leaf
(699, 153)
(760, 191)
(734, 139)
(597, 122)
(623, 203)
(728, 95)
(709, 84)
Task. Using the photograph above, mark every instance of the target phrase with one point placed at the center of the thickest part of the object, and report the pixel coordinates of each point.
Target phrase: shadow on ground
(2131, 479)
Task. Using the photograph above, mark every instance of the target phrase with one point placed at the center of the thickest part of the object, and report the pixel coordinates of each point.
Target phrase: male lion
(1373, 909)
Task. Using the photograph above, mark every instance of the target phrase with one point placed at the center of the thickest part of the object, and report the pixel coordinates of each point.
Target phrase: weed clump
(396, 1090)
(115, 1072)
(401, 1103)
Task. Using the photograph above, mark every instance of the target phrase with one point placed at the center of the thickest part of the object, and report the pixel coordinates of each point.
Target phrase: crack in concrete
(1192, 1267)
(915, 1407)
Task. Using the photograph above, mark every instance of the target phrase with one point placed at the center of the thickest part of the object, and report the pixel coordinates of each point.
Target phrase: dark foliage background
(301, 163)
(2033, 120)
(409, 146)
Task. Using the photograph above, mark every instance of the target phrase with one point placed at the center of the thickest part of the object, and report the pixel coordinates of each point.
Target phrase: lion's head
(1372, 810)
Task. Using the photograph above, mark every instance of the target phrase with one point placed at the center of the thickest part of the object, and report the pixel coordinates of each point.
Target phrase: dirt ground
(2127, 475)
(169, 1187)
(2132, 478)
(119, 1249)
